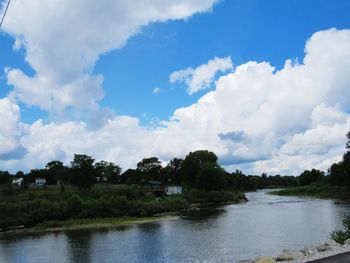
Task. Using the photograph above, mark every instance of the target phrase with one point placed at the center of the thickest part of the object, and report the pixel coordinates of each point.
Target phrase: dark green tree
(193, 163)
(150, 168)
(109, 170)
(308, 177)
(339, 173)
(55, 172)
(4, 176)
(211, 177)
(84, 173)
(172, 171)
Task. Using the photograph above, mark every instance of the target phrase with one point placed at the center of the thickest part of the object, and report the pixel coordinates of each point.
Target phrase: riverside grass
(318, 190)
(87, 223)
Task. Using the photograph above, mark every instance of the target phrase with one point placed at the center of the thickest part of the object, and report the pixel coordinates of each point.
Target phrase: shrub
(340, 236)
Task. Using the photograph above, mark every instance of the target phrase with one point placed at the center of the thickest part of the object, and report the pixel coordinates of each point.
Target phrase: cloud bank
(64, 39)
(256, 118)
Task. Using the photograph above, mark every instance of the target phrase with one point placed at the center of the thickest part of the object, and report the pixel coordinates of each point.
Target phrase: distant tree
(308, 177)
(19, 174)
(130, 176)
(211, 177)
(339, 173)
(193, 163)
(172, 171)
(4, 176)
(55, 172)
(109, 170)
(150, 168)
(84, 173)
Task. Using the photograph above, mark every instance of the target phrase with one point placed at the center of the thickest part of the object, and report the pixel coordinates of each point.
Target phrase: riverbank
(325, 191)
(28, 209)
(79, 224)
(309, 254)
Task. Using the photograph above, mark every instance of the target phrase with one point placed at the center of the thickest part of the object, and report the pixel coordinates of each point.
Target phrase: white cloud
(201, 77)
(64, 39)
(10, 130)
(156, 91)
(257, 119)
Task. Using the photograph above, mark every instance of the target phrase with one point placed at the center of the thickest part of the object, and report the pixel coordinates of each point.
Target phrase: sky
(263, 84)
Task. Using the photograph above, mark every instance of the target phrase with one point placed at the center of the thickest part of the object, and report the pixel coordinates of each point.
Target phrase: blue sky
(244, 30)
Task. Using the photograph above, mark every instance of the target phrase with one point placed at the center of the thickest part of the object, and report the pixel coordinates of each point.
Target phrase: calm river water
(265, 225)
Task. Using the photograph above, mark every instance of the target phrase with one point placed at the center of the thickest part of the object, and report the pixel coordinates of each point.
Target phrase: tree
(339, 173)
(130, 176)
(109, 170)
(172, 171)
(211, 177)
(84, 173)
(55, 172)
(4, 176)
(308, 177)
(192, 165)
(150, 168)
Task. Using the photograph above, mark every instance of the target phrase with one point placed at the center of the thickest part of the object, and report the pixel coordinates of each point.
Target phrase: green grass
(89, 223)
(318, 190)
(34, 207)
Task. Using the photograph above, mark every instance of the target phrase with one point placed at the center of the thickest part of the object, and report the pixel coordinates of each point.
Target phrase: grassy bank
(89, 223)
(318, 190)
(34, 208)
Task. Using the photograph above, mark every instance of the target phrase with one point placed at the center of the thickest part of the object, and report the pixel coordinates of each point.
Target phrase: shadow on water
(150, 243)
(79, 245)
(203, 213)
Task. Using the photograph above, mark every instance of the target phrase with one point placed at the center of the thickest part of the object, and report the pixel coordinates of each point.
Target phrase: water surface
(265, 225)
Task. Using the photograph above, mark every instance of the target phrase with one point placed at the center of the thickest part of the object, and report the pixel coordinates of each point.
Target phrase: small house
(17, 182)
(173, 190)
(40, 182)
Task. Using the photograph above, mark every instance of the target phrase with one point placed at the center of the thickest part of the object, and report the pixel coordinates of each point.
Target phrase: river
(265, 225)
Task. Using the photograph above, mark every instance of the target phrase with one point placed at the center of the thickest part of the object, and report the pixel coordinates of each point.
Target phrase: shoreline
(107, 222)
(85, 224)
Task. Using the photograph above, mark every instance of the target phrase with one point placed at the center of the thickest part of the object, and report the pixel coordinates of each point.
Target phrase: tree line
(199, 169)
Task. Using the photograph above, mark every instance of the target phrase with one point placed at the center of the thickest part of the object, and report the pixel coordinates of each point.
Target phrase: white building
(173, 190)
(18, 182)
(40, 181)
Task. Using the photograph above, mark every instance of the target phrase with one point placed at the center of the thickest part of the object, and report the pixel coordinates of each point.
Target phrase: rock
(331, 243)
(347, 242)
(309, 251)
(324, 247)
(265, 260)
(289, 255)
(284, 257)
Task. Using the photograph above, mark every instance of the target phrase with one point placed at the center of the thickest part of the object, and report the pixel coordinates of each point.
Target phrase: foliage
(211, 177)
(150, 168)
(340, 236)
(172, 171)
(109, 170)
(84, 173)
(192, 165)
(339, 173)
(308, 177)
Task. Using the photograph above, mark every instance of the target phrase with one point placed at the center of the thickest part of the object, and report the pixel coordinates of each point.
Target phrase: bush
(340, 236)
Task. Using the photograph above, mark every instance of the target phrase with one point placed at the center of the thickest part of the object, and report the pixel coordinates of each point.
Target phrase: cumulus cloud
(10, 130)
(203, 76)
(63, 40)
(256, 119)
